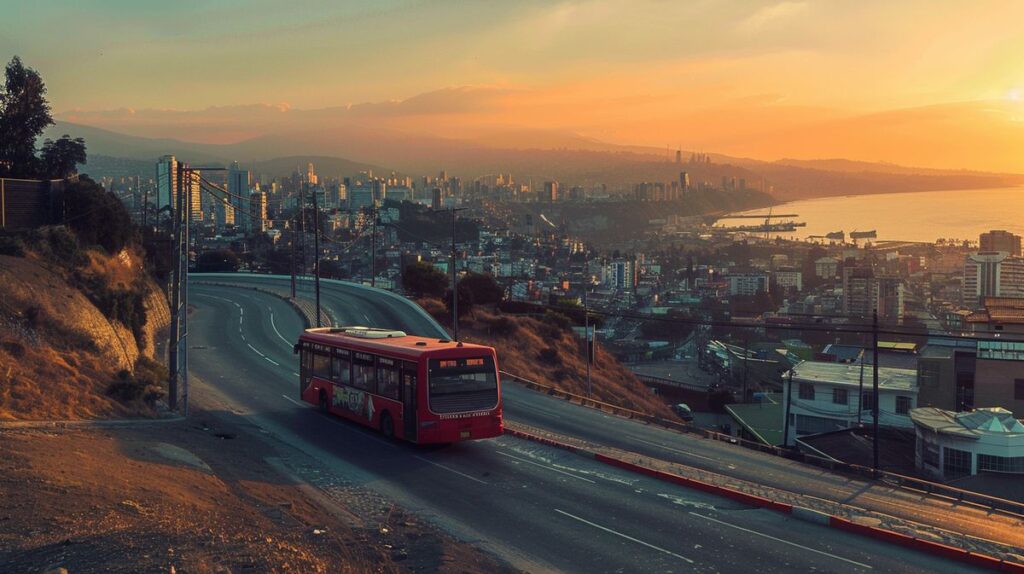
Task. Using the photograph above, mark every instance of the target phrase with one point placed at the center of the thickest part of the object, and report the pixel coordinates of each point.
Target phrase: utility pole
(586, 325)
(455, 287)
(874, 385)
(373, 246)
(174, 344)
(746, 366)
(183, 261)
(860, 389)
(294, 237)
(316, 255)
(789, 401)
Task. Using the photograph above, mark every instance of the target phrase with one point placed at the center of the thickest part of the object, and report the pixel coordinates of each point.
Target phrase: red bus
(413, 388)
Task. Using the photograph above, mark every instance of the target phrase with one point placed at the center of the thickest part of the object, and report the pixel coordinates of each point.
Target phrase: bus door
(409, 400)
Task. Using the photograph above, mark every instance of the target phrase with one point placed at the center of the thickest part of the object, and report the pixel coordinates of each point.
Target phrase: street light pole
(455, 287)
(874, 385)
(316, 255)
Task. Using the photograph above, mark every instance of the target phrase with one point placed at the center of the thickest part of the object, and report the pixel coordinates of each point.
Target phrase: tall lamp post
(455, 290)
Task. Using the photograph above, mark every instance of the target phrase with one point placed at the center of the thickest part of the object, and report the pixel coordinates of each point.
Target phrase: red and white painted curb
(806, 514)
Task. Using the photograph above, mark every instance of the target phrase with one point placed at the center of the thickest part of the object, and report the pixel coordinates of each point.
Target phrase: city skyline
(913, 84)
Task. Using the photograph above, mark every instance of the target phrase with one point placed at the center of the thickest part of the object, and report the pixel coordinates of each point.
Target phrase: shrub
(502, 326)
(550, 355)
(145, 384)
(13, 246)
(558, 320)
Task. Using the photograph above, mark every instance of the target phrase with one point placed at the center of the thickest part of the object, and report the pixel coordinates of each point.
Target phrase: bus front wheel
(387, 425)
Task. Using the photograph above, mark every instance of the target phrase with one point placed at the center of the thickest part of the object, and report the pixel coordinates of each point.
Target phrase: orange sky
(924, 83)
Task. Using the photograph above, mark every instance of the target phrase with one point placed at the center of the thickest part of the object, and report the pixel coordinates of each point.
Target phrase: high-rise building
(550, 191)
(864, 294)
(999, 240)
(311, 178)
(679, 156)
(684, 181)
(166, 182)
(257, 212)
(992, 274)
(238, 196)
(436, 198)
(195, 197)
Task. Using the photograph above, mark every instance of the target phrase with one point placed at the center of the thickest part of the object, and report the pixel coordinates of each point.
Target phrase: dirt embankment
(198, 496)
(548, 352)
(59, 351)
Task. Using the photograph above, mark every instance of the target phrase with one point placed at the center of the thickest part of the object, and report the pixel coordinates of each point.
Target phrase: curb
(18, 425)
(799, 513)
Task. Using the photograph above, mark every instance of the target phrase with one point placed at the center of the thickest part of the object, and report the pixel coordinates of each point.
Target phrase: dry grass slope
(541, 351)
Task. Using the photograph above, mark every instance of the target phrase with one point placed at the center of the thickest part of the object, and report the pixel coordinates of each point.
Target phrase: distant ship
(840, 235)
(863, 234)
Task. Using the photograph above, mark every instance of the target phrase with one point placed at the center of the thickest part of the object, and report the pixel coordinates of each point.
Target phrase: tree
(60, 158)
(484, 288)
(217, 261)
(97, 216)
(465, 301)
(24, 114)
(424, 280)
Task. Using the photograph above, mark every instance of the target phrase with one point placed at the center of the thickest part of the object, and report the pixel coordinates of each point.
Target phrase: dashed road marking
(626, 536)
(450, 469)
(723, 523)
(569, 474)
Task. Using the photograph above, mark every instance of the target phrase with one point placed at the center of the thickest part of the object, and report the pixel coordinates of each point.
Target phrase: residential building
(834, 396)
(998, 315)
(952, 445)
(826, 267)
(550, 191)
(788, 279)
(999, 240)
(864, 294)
(748, 283)
(992, 274)
(238, 197)
(166, 182)
(257, 220)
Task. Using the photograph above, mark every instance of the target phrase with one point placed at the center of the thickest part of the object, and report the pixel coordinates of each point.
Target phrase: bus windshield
(463, 384)
(448, 376)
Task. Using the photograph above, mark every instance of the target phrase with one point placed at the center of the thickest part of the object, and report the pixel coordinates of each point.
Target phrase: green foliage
(24, 114)
(558, 320)
(670, 328)
(60, 158)
(484, 288)
(465, 300)
(12, 245)
(424, 280)
(96, 216)
(218, 261)
(144, 384)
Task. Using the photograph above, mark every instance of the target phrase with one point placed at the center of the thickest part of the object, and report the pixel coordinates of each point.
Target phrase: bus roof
(380, 340)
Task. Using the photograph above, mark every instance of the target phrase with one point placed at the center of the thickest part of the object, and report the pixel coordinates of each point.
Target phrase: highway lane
(541, 508)
(359, 304)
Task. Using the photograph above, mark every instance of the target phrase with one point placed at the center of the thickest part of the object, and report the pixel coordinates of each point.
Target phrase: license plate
(464, 434)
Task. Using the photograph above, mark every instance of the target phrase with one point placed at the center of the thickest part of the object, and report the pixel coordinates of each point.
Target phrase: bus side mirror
(295, 349)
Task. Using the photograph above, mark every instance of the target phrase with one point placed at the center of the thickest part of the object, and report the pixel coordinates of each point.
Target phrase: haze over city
(494, 287)
(914, 83)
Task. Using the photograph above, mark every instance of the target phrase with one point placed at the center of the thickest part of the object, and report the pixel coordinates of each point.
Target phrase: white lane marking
(626, 536)
(286, 341)
(293, 401)
(676, 450)
(781, 540)
(294, 373)
(346, 427)
(255, 350)
(546, 467)
(450, 469)
(272, 361)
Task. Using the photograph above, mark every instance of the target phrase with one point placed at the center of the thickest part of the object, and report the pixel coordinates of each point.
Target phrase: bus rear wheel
(387, 425)
(323, 402)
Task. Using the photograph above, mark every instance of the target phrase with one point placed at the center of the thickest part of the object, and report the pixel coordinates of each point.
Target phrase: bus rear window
(455, 376)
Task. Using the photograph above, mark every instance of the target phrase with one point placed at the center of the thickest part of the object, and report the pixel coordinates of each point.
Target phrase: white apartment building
(833, 396)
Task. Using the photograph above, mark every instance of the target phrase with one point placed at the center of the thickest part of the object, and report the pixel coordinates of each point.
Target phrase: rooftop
(971, 424)
(850, 374)
(763, 420)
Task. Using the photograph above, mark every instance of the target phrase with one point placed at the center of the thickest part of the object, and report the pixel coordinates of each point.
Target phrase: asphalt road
(539, 508)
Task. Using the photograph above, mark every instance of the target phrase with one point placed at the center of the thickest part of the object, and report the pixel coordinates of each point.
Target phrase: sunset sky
(934, 84)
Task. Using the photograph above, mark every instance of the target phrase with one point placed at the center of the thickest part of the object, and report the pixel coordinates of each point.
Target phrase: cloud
(771, 15)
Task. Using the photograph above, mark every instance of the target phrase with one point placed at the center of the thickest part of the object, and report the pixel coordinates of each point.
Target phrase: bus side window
(341, 371)
(321, 365)
(304, 367)
(387, 378)
(363, 375)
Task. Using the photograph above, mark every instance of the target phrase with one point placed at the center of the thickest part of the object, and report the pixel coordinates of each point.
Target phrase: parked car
(683, 411)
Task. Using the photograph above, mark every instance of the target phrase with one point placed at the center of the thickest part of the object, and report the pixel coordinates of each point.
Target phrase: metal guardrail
(994, 503)
(653, 380)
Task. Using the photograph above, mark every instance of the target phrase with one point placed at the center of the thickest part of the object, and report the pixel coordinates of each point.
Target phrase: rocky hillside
(77, 331)
(545, 350)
